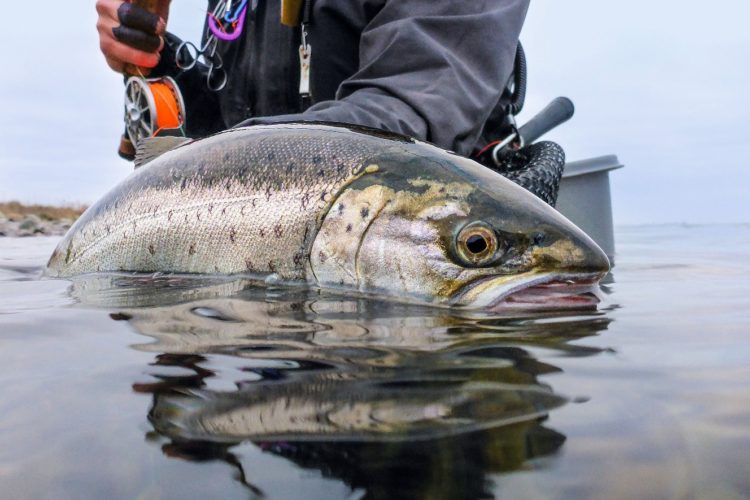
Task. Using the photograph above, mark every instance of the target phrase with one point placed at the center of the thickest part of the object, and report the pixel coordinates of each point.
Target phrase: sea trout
(337, 207)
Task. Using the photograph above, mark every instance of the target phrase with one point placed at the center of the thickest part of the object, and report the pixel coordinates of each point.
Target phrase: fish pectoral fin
(151, 148)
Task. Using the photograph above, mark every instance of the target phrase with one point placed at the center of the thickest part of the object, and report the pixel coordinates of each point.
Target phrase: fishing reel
(153, 107)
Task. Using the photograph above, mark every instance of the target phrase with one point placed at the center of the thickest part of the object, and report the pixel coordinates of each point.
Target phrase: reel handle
(153, 7)
(126, 151)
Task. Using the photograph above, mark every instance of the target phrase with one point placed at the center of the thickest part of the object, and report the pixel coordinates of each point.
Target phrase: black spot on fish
(210, 208)
(198, 216)
(321, 173)
(271, 266)
(108, 229)
(270, 156)
(322, 257)
(348, 228)
(442, 190)
(291, 167)
(121, 316)
(323, 196)
(242, 211)
(262, 233)
(364, 212)
(191, 250)
(183, 184)
(228, 186)
(186, 218)
(249, 264)
(216, 269)
(341, 208)
(224, 211)
(151, 249)
(277, 231)
(297, 259)
(226, 156)
(68, 253)
(232, 235)
(317, 159)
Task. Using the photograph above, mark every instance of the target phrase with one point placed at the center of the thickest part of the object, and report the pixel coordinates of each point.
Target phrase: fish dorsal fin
(151, 148)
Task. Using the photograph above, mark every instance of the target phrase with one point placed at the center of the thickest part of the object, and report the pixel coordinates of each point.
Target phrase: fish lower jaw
(534, 292)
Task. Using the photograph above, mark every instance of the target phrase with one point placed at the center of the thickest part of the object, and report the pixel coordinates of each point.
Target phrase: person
(436, 70)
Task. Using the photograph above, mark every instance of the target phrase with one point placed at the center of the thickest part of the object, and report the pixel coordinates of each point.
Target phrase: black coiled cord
(519, 82)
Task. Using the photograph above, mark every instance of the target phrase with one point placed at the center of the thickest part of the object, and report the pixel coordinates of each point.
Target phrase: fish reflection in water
(390, 398)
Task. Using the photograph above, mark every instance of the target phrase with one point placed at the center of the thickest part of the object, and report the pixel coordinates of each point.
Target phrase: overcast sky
(664, 85)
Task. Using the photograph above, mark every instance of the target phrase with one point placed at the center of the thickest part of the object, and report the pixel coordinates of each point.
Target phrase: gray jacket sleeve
(431, 69)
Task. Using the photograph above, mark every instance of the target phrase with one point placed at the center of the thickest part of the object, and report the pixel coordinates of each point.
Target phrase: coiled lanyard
(225, 23)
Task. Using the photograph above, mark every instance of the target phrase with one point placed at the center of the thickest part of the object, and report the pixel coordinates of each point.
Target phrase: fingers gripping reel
(153, 107)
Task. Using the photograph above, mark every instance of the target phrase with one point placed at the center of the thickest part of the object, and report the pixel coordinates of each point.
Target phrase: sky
(663, 85)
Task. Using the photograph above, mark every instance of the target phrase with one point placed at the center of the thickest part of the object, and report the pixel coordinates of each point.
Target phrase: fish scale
(248, 202)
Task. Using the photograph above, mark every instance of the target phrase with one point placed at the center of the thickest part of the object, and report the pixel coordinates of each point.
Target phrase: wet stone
(31, 223)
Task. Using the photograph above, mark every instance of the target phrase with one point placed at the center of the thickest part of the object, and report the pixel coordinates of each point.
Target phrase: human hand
(129, 34)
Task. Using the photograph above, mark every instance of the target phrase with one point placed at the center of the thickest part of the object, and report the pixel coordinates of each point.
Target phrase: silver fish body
(335, 207)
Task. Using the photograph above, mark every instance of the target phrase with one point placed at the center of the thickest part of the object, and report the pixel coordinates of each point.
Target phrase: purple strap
(218, 33)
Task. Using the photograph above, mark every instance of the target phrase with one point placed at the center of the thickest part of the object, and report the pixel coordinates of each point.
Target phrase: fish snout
(572, 251)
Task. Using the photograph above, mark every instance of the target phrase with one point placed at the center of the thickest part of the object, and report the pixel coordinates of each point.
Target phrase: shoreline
(21, 220)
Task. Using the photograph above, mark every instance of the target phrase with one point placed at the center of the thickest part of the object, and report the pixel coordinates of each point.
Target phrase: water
(125, 388)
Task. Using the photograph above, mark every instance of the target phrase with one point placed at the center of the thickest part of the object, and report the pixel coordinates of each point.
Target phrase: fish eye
(477, 244)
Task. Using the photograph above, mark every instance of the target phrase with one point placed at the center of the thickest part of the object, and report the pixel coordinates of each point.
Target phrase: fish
(352, 407)
(338, 207)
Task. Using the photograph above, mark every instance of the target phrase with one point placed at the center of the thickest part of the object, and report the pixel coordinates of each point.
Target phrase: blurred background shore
(18, 219)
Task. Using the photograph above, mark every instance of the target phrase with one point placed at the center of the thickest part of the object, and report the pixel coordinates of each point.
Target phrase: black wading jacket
(431, 69)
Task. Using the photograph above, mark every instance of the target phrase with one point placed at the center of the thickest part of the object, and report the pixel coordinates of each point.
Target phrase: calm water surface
(164, 388)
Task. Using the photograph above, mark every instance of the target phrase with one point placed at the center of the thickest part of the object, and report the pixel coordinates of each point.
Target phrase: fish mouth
(533, 292)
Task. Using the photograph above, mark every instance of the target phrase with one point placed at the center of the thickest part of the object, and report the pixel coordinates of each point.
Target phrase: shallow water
(131, 388)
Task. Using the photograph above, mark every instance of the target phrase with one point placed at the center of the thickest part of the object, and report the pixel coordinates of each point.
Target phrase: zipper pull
(305, 51)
